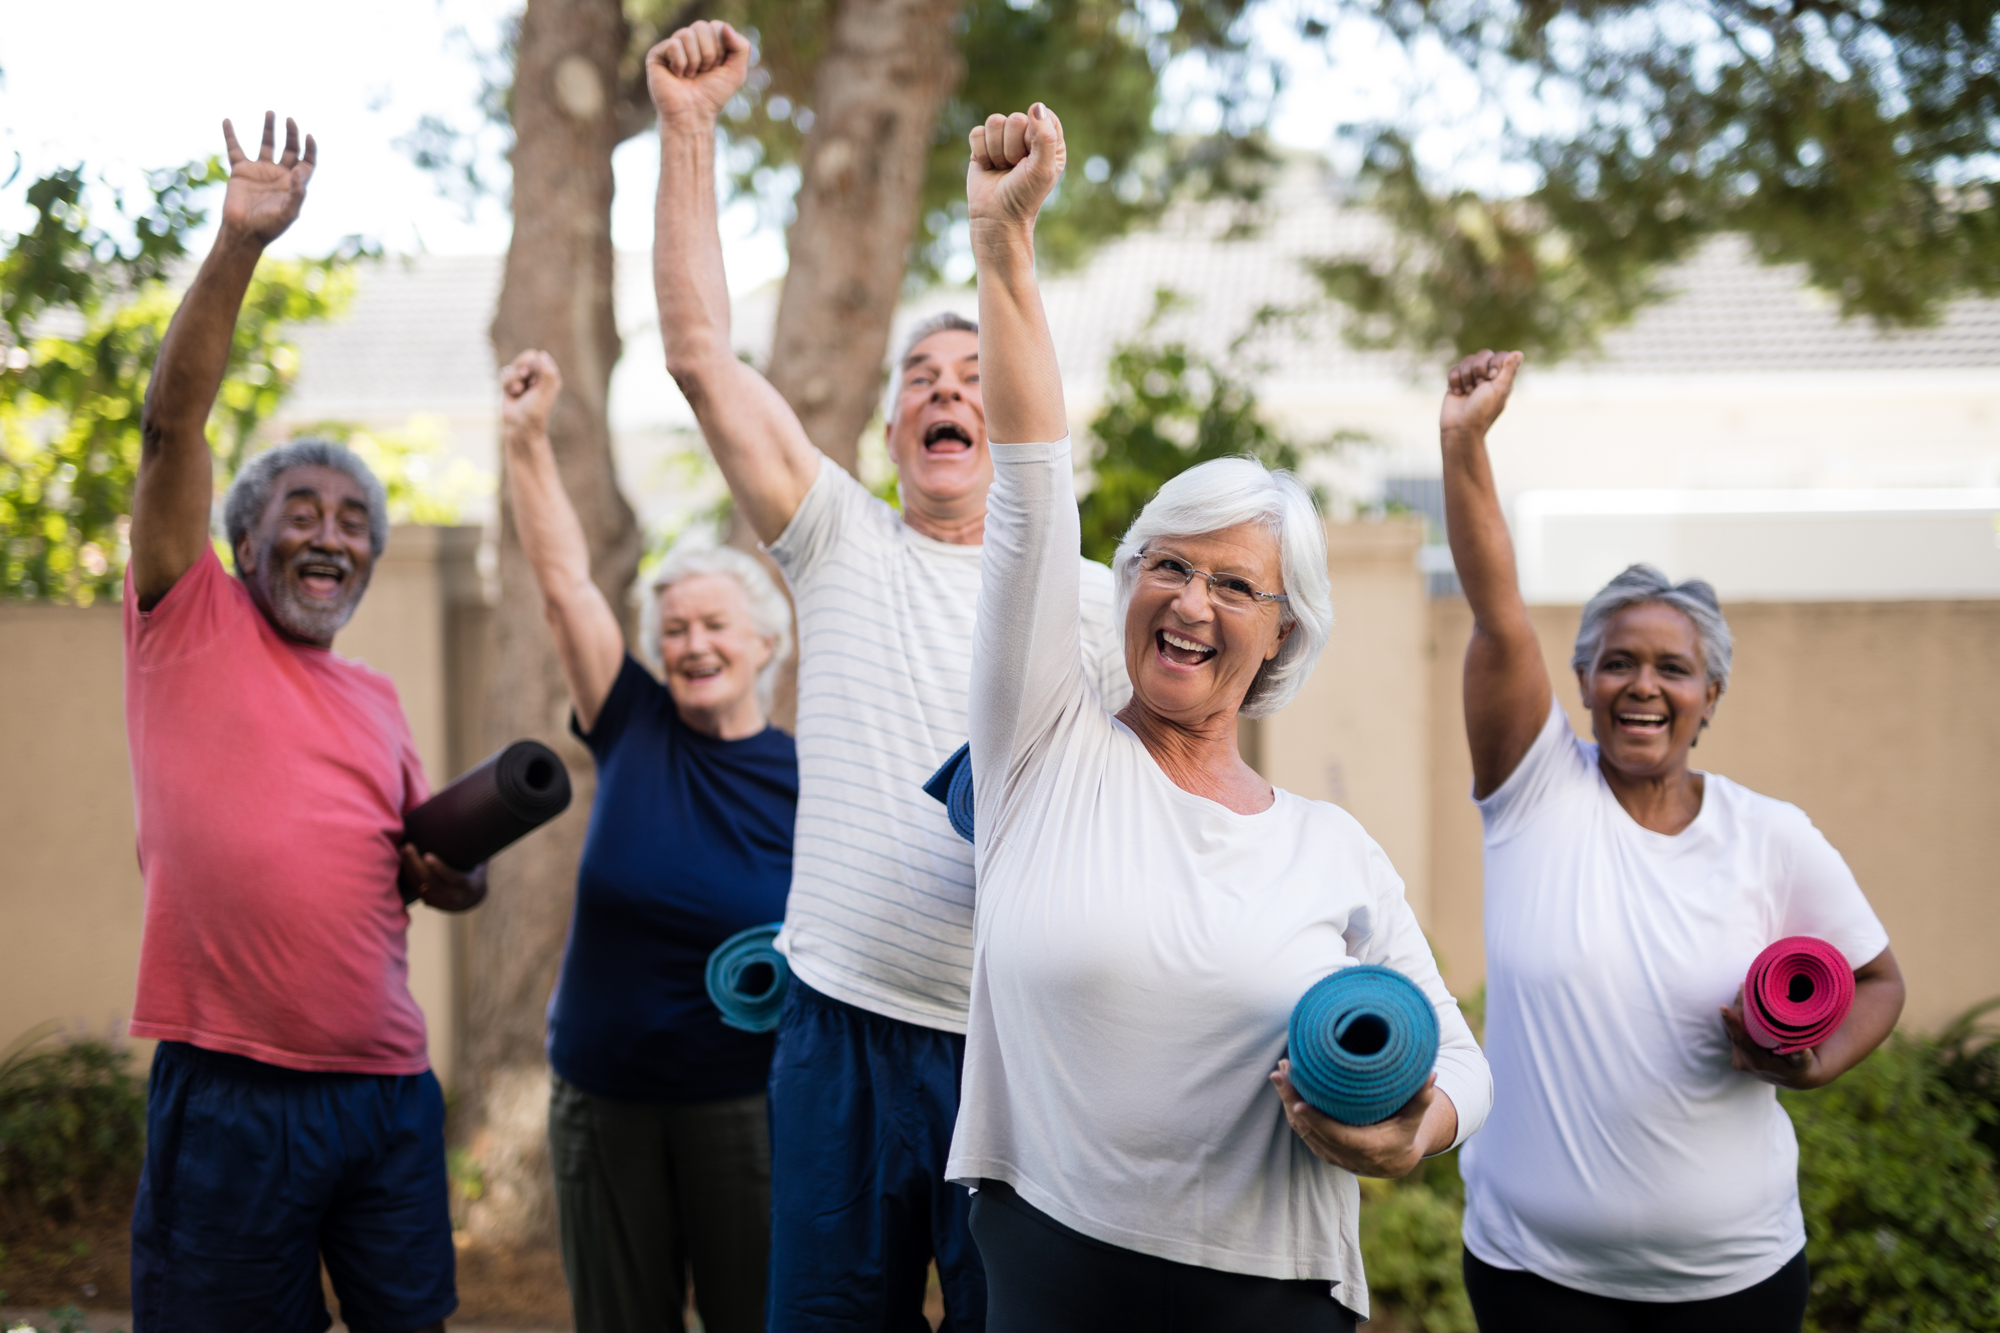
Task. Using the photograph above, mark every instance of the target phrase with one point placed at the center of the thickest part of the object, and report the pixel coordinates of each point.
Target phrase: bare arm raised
(589, 643)
(176, 483)
(1016, 161)
(755, 436)
(1506, 686)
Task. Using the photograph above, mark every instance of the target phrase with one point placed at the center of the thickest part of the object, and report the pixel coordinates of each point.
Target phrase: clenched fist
(1476, 392)
(693, 74)
(1016, 162)
(528, 389)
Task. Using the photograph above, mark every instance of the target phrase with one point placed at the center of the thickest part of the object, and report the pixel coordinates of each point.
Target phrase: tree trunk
(556, 295)
(888, 67)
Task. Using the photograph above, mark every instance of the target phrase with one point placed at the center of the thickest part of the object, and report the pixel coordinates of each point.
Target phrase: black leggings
(1042, 1277)
(1506, 1300)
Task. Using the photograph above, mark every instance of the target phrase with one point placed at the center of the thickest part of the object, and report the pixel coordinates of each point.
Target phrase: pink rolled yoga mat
(1798, 991)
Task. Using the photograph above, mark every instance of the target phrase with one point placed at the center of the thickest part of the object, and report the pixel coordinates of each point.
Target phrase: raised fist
(528, 389)
(1476, 392)
(693, 74)
(264, 196)
(1016, 161)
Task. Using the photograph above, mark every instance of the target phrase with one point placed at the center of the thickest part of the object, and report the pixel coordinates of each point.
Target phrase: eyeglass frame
(1282, 599)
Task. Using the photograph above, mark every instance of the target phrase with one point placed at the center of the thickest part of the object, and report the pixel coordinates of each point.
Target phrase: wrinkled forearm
(688, 276)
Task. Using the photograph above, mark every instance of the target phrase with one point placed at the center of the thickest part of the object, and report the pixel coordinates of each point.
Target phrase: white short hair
(1220, 494)
(770, 614)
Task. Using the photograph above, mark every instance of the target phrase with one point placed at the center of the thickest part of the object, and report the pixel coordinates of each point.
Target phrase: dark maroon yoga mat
(1798, 991)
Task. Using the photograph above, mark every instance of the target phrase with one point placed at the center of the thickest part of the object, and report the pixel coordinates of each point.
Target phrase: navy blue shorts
(253, 1173)
(862, 1109)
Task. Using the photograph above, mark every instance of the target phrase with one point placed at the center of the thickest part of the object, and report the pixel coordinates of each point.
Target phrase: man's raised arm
(176, 484)
(755, 436)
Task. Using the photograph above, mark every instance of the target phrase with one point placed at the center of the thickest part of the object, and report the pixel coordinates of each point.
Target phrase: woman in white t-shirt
(1637, 1172)
(1149, 909)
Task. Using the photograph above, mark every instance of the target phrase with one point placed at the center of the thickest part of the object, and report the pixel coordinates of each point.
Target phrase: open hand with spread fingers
(264, 195)
(1016, 162)
(693, 74)
(1477, 392)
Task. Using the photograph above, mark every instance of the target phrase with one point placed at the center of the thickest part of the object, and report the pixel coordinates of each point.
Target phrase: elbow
(694, 376)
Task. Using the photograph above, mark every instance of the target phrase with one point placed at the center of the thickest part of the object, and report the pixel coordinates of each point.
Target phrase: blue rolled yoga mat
(1363, 1041)
(952, 784)
(747, 978)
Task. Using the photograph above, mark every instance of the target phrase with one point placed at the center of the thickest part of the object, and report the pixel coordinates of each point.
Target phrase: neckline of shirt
(1699, 823)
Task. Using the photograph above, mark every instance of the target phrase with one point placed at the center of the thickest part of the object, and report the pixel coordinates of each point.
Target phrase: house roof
(415, 338)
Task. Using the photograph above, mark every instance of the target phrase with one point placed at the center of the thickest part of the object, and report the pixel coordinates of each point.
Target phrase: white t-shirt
(1139, 950)
(880, 913)
(1625, 1157)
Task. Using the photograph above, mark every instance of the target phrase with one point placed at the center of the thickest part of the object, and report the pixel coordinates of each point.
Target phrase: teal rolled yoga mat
(1362, 1042)
(747, 978)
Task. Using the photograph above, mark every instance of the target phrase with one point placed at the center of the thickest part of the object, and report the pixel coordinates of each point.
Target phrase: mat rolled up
(747, 977)
(515, 791)
(1363, 1040)
(1797, 992)
(952, 785)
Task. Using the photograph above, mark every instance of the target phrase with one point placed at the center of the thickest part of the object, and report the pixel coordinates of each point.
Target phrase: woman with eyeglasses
(1150, 909)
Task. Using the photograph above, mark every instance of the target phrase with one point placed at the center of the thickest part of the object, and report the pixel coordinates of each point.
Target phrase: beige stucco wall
(1872, 717)
(71, 902)
(1358, 733)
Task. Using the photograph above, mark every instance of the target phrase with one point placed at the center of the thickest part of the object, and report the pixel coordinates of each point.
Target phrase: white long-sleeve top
(1137, 951)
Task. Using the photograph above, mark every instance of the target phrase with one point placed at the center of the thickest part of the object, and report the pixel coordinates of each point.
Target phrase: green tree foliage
(72, 1121)
(1901, 1198)
(1410, 1247)
(81, 319)
(1098, 62)
(1167, 407)
(1856, 137)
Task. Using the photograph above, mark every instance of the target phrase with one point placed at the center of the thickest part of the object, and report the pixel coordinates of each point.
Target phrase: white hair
(1220, 494)
(1643, 584)
(770, 614)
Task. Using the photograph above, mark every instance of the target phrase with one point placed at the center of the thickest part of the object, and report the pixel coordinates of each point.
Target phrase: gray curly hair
(251, 491)
(1642, 584)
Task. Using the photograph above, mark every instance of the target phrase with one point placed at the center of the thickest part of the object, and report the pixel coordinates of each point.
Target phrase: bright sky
(123, 86)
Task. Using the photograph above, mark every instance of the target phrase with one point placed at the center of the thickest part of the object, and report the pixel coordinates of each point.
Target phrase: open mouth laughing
(321, 577)
(1181, 650)
(1640, 721)
(947, 437)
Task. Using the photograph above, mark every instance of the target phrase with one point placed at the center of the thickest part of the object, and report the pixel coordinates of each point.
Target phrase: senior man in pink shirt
(292, 1115)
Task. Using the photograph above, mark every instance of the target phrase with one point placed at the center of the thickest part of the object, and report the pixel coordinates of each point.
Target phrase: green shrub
(1901, 1197)
(1410, 1248)
(1897, 1177)
(72, 1121)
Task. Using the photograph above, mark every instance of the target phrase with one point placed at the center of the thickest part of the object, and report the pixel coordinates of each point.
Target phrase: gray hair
(949, 321)
(251, 491)
(770, 613)
(1640, 585)
(1220, 494)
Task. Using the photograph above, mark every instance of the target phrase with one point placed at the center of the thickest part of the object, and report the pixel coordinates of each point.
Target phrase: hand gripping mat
(747, 978)
(514, 792)
(1797, 992)
(1362, 1042)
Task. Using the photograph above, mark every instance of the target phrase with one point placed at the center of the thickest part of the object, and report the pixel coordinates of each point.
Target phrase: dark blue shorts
(862, 1109)
(253, 1173)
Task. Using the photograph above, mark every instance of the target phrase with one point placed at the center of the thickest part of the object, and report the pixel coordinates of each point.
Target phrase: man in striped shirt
(864, 1087)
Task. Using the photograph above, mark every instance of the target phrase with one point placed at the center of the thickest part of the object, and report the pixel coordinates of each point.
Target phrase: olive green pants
(648, 1194)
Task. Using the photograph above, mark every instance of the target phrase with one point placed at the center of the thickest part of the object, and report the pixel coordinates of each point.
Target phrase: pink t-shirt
(270, 780)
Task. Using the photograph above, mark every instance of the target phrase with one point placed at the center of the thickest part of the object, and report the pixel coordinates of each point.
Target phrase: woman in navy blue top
(657, 1128)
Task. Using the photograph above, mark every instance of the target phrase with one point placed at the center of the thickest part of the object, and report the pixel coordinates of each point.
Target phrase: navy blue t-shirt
(690, 841)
